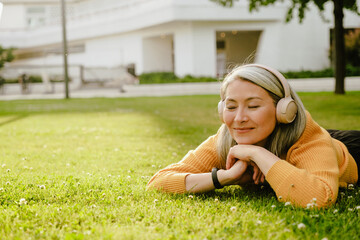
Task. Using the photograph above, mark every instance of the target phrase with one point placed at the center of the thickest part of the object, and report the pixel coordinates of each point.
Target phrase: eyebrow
(248, 99)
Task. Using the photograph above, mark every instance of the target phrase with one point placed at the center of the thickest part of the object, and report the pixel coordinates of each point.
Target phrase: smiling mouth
(243, 130)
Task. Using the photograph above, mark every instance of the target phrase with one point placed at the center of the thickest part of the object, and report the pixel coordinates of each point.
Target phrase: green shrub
(158, 77)
(170, 77)
(35, 79)
(328, 72)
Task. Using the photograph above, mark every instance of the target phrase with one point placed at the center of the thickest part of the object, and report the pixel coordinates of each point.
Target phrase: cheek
(228, 118)
(268, 120)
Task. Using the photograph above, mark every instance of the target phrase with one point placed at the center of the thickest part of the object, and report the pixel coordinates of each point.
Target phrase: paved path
(299, 85)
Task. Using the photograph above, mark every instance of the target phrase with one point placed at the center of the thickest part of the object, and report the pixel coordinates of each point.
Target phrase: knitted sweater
(314, 168)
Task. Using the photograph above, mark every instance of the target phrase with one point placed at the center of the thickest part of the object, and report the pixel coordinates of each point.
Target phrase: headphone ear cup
(221, 106)
(286, 110)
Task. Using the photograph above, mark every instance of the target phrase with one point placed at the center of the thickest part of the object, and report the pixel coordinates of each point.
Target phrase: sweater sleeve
(310, 173)
(200, 160)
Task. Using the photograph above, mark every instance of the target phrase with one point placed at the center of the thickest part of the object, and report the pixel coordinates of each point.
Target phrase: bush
(158, 77)
(170, 77)
(328, 72)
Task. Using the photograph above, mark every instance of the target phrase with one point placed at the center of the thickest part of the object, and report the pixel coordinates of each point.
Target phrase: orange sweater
(315, 166)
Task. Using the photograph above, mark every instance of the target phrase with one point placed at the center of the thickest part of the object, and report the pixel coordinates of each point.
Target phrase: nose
(241, 115)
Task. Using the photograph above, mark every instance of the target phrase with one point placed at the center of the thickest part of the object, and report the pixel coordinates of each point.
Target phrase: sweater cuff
(175, 185)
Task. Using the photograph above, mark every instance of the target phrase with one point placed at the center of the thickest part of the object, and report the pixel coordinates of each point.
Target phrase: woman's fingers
(262, 178)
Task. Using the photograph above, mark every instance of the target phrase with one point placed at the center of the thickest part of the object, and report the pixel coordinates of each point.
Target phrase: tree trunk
(339, 55)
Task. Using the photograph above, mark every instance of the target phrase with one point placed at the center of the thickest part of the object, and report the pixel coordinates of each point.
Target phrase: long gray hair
(284, 135)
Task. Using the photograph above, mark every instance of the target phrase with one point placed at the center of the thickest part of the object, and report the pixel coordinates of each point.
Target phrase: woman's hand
(258, 157)
(239, 173)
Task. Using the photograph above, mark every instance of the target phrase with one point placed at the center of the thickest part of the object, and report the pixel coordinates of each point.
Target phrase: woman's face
(249, 113)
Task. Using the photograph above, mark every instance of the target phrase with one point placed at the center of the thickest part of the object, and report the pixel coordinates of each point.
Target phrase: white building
(196, 37)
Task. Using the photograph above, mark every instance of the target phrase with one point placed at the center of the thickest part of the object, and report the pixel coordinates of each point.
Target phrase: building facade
(196, 37)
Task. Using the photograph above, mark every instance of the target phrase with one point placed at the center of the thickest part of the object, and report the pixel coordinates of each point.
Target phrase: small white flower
(288, 204)
(22, 201)
(301, 226)
(351, 186)
(4, 165)
(7, 183)
(104, 194)
(119, 197)
(350, 209)
(1, 189)
(357, 207)
(325, 238)
(273, 206)
(191, 196)
(258, 222)
(216, 200)
(42, 186)
(287, 230)
(350, 196)
(155, 200)
(314, 199)
(335, 211)
(8, 170)
(233, 209)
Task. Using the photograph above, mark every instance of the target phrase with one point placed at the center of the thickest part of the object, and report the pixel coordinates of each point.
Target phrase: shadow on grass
(13, 119)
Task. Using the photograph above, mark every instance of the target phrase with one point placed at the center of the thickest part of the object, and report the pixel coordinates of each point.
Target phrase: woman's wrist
(224, 178)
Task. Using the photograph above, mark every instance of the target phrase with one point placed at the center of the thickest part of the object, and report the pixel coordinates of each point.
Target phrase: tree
(6, 55)
(301, 6)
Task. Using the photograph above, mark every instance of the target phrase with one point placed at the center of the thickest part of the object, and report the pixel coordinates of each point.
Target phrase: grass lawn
(77, 169)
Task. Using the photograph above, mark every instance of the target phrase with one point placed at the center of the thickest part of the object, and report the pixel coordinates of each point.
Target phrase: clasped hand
(240, 161)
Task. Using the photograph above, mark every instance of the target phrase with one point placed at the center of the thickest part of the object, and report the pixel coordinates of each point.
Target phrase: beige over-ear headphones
(286, 108)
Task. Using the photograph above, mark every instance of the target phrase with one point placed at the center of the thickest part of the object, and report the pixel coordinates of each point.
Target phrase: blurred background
(113, 41)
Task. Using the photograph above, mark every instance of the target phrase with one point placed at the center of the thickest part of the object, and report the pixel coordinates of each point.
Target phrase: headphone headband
(277, 74)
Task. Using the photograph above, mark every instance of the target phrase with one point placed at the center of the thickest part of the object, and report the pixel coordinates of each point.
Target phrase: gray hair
(284, 135)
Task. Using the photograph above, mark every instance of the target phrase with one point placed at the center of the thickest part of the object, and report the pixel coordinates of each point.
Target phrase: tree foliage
(300, 5)
(6, 55)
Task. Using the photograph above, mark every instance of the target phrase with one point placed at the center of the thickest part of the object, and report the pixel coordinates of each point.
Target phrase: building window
(35, 16)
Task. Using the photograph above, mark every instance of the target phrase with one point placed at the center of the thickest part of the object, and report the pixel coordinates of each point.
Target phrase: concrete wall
(157, 54)
(13, 17)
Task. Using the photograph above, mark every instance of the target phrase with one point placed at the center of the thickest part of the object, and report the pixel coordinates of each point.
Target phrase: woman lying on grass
(267, 134)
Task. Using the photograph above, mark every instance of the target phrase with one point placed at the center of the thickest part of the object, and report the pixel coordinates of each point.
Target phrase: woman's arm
(196, 162)
(202, 182)
(311, 172)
